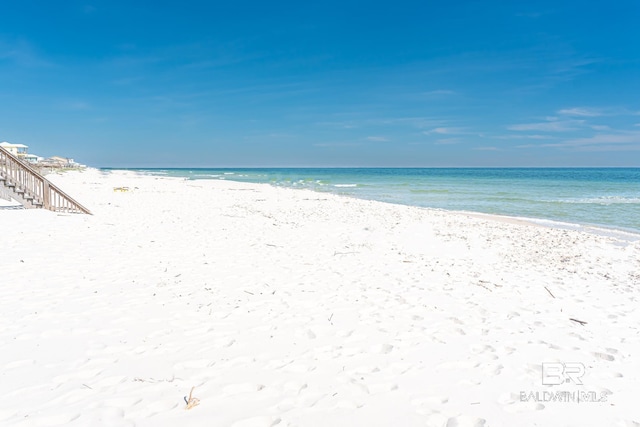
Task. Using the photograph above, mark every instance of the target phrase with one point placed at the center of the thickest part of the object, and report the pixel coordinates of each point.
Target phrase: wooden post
(46, 194)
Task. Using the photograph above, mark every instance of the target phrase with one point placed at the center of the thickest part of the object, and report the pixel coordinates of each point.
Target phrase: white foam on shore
(617, 233)
(295, 308)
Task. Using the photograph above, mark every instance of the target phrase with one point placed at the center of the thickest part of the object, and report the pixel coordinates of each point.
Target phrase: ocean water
(580, 197)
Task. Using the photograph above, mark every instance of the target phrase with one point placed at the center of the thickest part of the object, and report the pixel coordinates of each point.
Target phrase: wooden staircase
(20, 181)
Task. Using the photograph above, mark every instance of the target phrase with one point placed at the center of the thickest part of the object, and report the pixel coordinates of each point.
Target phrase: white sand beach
(288, 307)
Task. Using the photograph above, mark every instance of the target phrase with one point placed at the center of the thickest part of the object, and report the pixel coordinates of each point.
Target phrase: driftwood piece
(192, 402)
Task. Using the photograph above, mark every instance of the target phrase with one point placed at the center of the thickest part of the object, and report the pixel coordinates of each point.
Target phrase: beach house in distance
(55, 162)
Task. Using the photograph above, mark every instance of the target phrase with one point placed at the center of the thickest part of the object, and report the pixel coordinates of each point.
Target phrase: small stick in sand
(191, 401)
(579, 321)
(549, 292)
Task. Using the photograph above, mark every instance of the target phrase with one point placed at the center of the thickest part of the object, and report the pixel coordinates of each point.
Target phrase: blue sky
(403, 83)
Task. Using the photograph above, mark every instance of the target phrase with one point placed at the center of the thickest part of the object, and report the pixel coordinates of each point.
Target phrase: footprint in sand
(604, 356)
(295, 387)
(465, 421)
(481, 349)
(344, 333)
(456, 320)
(429, 404)
(580, 337)
(382, 348)
(382, 387)
(492, 369)
(286, 405)
(549, 345)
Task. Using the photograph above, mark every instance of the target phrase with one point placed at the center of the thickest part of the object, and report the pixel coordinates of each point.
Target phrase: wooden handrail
(36, 186)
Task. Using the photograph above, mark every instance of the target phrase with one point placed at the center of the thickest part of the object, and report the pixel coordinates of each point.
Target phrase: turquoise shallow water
(606, 197)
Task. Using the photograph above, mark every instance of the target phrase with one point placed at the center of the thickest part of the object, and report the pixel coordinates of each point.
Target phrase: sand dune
(293, 308)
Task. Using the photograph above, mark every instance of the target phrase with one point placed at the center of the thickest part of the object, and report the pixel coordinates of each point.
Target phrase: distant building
(19, 150)
(54, 162)
(59, 162)
(32, 158)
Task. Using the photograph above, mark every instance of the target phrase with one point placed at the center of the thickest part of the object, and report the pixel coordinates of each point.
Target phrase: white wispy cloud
(618, 141)
(597, 112)
(581, 112)
(377, 138)
(446, 131)
(632, 137)
(549, 126)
